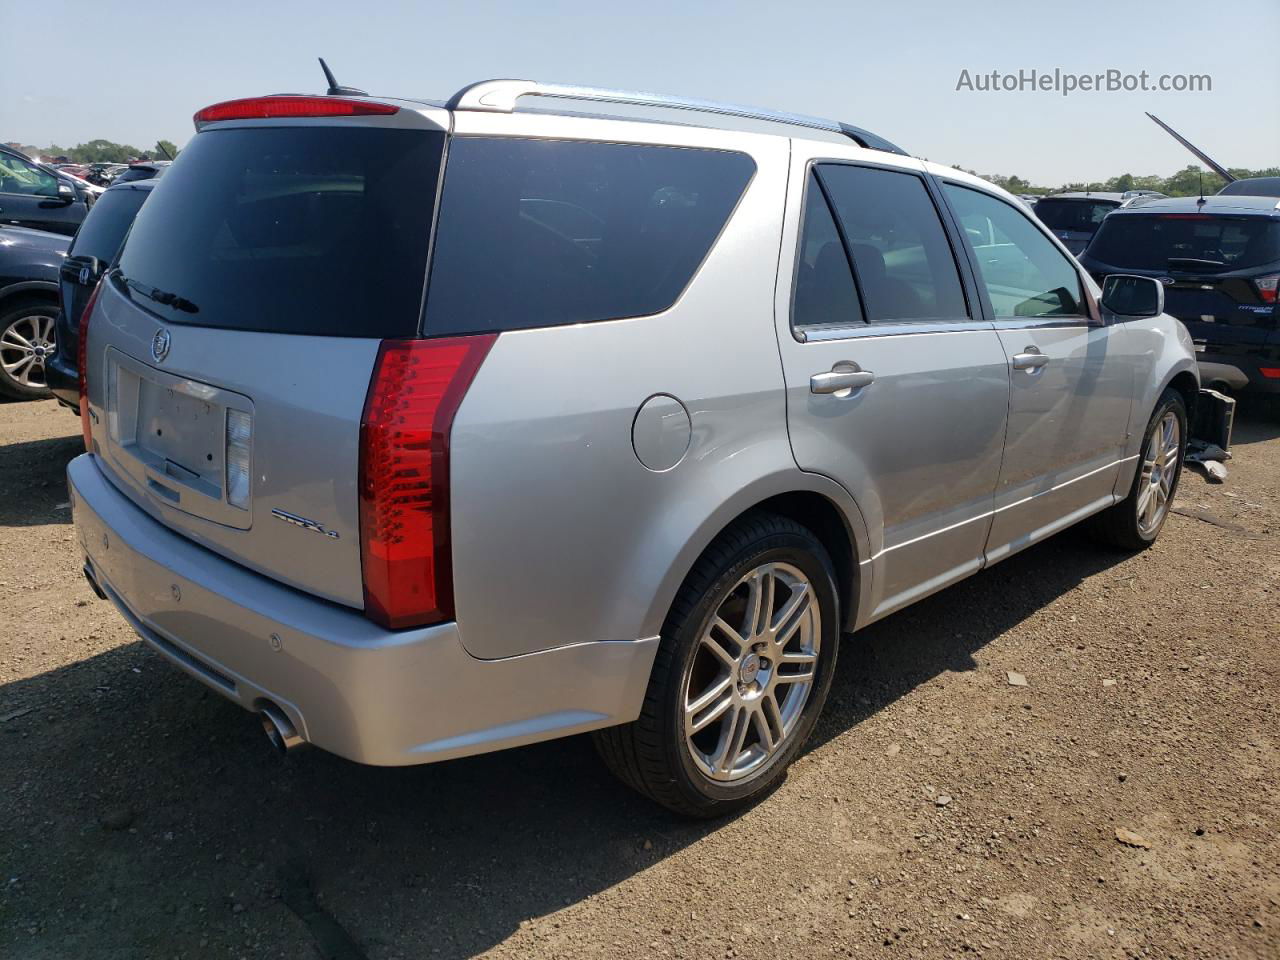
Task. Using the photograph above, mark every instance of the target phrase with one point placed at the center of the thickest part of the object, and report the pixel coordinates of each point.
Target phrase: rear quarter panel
(560, 535)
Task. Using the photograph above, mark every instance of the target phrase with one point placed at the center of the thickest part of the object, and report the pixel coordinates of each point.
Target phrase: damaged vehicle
(606, 425)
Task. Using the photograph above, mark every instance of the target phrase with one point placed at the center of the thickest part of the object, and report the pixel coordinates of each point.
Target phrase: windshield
(1082, 216)
(1189, 241)
(294, 229)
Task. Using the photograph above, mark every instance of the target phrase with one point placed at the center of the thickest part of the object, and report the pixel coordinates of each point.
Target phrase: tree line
(102, 151)
(1187, 182)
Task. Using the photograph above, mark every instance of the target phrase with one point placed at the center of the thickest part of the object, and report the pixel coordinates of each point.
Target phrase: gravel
(938, 812)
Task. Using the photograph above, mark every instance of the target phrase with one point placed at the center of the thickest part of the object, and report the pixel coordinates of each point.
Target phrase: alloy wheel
(1159, 468)
(752, 673)
(25, 345)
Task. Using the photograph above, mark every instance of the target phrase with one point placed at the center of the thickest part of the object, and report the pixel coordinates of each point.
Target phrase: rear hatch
(1219, 271)
(237, 336)
(1073, 221)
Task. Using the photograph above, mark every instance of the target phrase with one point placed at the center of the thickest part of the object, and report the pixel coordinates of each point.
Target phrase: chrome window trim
(826, 333)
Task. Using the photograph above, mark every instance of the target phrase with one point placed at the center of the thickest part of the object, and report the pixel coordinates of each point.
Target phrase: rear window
(1082, 216)
(1203, 241)
(1253, 187)
(537, 233)
(318, 230)
(104, 228)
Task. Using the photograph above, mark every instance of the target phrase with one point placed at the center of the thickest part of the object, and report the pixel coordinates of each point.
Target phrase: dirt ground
(940, 810)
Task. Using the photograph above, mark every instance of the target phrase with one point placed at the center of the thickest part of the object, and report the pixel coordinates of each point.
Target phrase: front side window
(18, 176)
(536, 233)
(901, 257)
(824, 290)
(1025, 275)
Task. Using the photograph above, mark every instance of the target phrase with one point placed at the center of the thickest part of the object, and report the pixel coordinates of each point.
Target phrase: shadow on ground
(33, 481)
(207, 833)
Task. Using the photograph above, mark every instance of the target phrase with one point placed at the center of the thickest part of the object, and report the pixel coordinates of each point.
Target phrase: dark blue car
(1219, 260)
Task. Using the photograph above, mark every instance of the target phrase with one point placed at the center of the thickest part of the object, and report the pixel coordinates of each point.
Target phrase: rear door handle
(1031, 359)
(843, 378)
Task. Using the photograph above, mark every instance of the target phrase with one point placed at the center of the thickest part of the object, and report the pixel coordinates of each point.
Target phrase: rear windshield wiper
(163, 297)
(1191, 263)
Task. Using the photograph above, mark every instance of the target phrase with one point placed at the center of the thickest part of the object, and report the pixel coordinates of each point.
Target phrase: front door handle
(843, 378)
(1030, 359)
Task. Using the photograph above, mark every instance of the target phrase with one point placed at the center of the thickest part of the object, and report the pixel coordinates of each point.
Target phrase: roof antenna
(1200, 202)
(335, 90)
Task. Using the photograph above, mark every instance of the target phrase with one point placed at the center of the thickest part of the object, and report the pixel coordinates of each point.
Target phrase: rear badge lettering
(303, 522)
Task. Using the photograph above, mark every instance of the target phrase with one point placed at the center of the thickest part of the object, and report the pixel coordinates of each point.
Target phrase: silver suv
(427, 430)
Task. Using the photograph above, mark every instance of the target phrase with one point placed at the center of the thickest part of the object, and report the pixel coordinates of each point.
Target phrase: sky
(892, 67)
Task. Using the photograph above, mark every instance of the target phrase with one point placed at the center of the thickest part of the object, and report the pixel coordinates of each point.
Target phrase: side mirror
(1132, 296)
(66, 191)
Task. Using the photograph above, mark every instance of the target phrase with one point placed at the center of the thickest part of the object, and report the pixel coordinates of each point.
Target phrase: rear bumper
(348, 686)
(1238, 372)
(63, 378)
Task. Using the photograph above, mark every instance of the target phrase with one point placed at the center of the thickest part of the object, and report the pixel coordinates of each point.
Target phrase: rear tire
(27, 340)
(1136, 521)
(738, 682)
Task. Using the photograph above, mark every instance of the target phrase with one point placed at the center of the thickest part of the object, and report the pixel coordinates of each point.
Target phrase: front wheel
(1136, 521)
(742, 671)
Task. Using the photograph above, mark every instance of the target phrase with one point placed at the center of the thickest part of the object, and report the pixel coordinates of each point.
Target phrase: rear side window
(1187, 241)
(824, 291)
(901, 257)
(537, 233)
(104, 228)
(1024, 273)
(316, 230)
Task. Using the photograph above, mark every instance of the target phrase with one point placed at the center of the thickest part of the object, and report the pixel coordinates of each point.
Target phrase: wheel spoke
(772, 715)
(731, 738)
(759, 602)
(709, 707)
(12, 338)
(767, 736)
(789, 617)
(728, 657)
(16, 370)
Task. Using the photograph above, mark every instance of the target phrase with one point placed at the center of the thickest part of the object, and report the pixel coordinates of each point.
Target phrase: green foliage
(106, 151)
(1184, 183)
(165, 150)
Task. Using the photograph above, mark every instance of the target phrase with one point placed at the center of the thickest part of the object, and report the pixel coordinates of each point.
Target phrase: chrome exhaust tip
(93, 582)
(279, 730)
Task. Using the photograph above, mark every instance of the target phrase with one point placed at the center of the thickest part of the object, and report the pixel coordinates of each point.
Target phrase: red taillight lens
(82, 365)
(416, 389)
(261, 108)
(1271, 373)
(1267, 287)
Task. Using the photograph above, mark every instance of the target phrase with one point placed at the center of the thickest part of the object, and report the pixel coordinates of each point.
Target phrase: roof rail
(500, 96)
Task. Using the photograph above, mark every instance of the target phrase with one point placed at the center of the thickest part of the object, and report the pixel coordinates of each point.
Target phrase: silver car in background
(425, 431)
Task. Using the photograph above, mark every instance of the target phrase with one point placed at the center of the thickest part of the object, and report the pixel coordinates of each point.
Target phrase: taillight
(1267, 287)
(1271, 373)
(262, 108)
(416, 389)
(82, 365)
